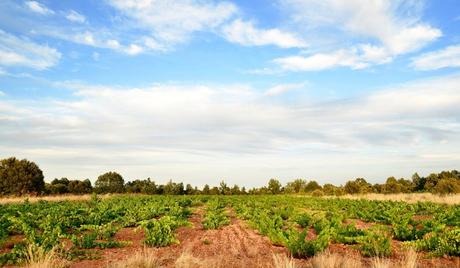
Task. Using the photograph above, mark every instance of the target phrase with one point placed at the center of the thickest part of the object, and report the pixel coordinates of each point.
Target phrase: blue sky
(201, 91)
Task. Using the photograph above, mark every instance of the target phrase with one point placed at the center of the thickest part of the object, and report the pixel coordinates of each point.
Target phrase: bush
(304, 220)
(160, 233)
(376, 243)
(441, 243)
(299, 247)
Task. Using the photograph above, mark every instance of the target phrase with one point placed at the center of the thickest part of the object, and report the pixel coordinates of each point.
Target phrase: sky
(242, 91)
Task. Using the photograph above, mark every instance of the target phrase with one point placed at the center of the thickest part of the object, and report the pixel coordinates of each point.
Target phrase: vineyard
(95, 232)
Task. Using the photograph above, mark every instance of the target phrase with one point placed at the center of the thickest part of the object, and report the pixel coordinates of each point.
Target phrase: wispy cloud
(283, 88)
(15, 51)
(74, 16)
(171, 123)
(38, 8)
(404, 32)
(446, 57)
(173, 22)
(245, 33)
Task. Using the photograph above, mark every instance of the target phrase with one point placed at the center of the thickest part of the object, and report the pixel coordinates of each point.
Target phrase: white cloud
(447, 57)
(38, 8)
(2, 93)
(75, 17)
(283, 88)
(172, 22)
(204, 132)
(321, 61)
(16, 51)
(394, 27)
(245, 33)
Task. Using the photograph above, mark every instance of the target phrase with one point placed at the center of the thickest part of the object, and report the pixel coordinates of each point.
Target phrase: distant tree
(235, 190)
(80, 187)
(19, 177)
(330, 189)
(206, 189)
(223, 188)
(295, 186)
(274, 186)
(358, 186)
(173, 188)
(447, 186)
(214, 191)
(243, 190)
(141, 186)
(418, 182)
(311, 186)
(392, 186)
(110, 182)
(189, 189)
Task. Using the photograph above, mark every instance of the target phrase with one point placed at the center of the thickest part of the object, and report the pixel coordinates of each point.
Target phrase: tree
(189, 189)
(295, 186)
(274, 186)
(358, 186)
(447, 186)
(19, 177)
(80, 187)
(206, 189)
(223, 188)
(235, 190)
(110, 182)
(392, 186)
(311, 186)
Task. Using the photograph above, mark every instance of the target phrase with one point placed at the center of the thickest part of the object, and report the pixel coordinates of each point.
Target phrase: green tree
(110, 182)
(223, 188)
(19, 177)
(447, 186)
(311, 186)
(358, 186)
(206, 189)
(274, 186)
(295, 186)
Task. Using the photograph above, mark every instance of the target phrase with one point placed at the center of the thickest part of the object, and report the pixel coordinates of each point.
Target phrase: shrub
(299, 247)
(304, 220)
(159, 233)
(376, 243)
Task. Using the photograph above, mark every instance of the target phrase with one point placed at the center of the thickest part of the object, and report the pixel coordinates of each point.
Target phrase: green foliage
(376, 243)
(215, 216)
(300, 247)
(18, 177)
(445, 242)
(110, 182)
(160, 233)
(304, 220)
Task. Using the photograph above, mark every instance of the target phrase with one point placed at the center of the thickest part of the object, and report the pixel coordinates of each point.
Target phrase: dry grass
(409, 198)
(334, 260)
(37, 257)
(283, 261)
(187, 260)
(142, 259)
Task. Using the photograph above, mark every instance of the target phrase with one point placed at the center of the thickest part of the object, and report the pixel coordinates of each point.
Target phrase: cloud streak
(15, 51)
(178, 126)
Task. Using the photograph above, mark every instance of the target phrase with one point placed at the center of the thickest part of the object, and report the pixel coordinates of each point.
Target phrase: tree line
(20, 177)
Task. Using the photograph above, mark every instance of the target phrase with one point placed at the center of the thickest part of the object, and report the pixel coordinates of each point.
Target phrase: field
(228, 231)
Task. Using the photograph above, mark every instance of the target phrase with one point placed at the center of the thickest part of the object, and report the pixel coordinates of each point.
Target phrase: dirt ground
(235, 245)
